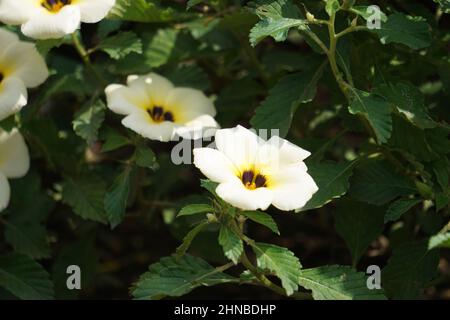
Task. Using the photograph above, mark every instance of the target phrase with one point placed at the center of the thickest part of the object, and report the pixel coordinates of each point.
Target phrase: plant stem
(349, 30)
(84, 54)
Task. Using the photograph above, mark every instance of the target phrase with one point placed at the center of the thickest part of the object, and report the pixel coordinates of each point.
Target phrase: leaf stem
(84, 55)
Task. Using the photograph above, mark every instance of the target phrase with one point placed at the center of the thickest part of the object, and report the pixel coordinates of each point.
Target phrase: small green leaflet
(88, 121)
(376, 110)
(143, 11)
(332, 6)
(398, 208)
(116, 197)
(187, 240)
(25, 278)
(145, 157)
(338, 283)
(121, 45)
(262, 218)
(174, 277)
(441, 240)
(28, 238)
(195, 209)
(231, 244)
(282, 262)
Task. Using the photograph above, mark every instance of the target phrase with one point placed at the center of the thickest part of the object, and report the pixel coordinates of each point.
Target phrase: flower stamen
(253, 181)
(158, 114)
(55, 5)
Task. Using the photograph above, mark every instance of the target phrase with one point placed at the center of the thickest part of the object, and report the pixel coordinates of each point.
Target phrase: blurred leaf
(116, 198)
(143, 11)
(195, 209)
(121, 45)
(399, 28)
(146, 158)
(441, 240)
(338, 283)
(28, 238)
(25, 278)
(398, 208)
(410, 270)
(175, 277)
(282, 262)
(88, 121)
(187, 240)
(358, 224)
(332, 6)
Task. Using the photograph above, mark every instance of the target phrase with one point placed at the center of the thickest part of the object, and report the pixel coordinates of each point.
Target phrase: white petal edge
(190, 103)
(203, 126)
(92, 11)
(155, 87)
(140, 122)
(46, 25)
(13, 97)
(121, 100)
(17, 12)
(5, 192)
(23, 61)
(14, 156)
(7, 39)
(240, 197)
(289, 152)
(214, 165)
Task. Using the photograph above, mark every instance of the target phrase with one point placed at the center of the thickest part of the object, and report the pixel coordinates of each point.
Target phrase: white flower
(14, 162)
(253, 173)
(157, 110)
(51, 19)
(21, 67)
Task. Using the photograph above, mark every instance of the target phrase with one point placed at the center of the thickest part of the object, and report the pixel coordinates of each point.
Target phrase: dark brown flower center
(158, 114)
(252, 180)
(1, 77)
(54, 5)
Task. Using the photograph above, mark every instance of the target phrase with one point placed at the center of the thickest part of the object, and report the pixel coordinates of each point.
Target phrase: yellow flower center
(158, 114)
(54, 5)
(253, 180)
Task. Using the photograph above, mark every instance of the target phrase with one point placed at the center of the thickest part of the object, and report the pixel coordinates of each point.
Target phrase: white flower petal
(190, 103)
(5, 192)
(122, 100)
(92, 11)
(239, 144)
(214, 165)
(23, 61)
(13, 97)
(202, 126)
(235, 193)
(292, 188)
(7, 39)
(47, 25)
(289, 152)
(141, 123)
(155, 87)
(17, 12)
(14, 157)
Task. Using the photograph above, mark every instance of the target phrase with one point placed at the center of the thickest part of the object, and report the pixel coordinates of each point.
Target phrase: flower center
(158, 114)
(54, 5)
(1, 77)
(252, 180)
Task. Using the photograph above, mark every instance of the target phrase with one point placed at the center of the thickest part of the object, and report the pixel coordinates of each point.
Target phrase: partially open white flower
(157, 110)
(253, 173)
(47, 19)
(21, 67)
(14, 162)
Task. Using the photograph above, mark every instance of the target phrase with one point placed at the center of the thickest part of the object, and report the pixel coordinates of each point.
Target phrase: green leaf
(175, 277)
(377, 183)
(146, 158)
(445, 5)
(358, 224)
(192, 3)
(409, 101)
(143, 11)
(187, 240)
(365, 13)
(277, 111)
(399, 28)
(441, 240)
(262, 218)
(338, 283)
(121, 45)
(282, 262)
(28, 238)
(189, 76)
(398, 208)
(231, 244)
(195, 209)
(116, 197)
(332, 180)
(277, 17)
(209, 185)
(332, 6)
(44, 46)
(112, 139)
(85, 195)
(25, 278)
(88, 121)
(376, 110)
(410, 270)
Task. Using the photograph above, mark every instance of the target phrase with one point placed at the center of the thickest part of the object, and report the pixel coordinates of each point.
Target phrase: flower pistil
(55, 5)
(253, 180)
